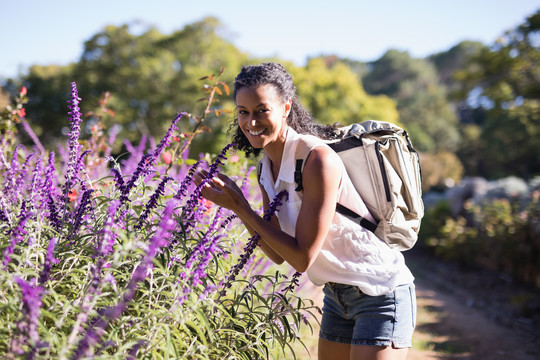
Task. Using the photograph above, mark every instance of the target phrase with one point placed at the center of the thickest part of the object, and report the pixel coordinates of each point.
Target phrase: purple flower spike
(49, 187)
(245, 182)
(192, 210)
(118, 180)
(28, 325)
(142, 169)
(253, 241)
(187, 181)
(17, 236)
(54, 216)
(49, 261)
(81, 211)
(159, 240)
(293, 283)
(152, 203)
(73, 140)
(166, 141)
(149, 160)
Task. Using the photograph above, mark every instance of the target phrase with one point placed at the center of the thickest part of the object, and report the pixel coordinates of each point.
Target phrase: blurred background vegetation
(471, 111)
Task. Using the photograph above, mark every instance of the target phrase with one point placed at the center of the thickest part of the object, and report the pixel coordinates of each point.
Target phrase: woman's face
(262, 115)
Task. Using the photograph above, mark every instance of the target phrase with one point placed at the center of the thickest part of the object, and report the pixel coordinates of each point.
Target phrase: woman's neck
(274, 151)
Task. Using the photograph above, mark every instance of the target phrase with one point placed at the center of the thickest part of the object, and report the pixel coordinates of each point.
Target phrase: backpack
(385, 170)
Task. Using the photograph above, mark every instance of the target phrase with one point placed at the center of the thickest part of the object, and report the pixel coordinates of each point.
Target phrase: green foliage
(333, 93)
(502, 81)
(499, 234)
(152, 77)
(421, 100)
(439, 169)
(117, 275)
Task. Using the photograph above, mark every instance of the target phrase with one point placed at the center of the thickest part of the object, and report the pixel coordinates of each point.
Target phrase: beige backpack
(385, 170)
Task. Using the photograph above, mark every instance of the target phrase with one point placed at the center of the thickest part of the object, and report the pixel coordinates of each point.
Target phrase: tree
(421, 99)
(456, 59)
(503, 82)
(151, 77)
(334, 94)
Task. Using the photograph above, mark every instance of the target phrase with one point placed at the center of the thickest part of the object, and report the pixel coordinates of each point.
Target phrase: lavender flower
(48, 187)
(37, 174)
(192, 210)
(293, 283)
(79, 164)
(205, 250)
(81, 211)
(149, 160)
(23, 211)
(253, 241)
(152, 203)
(28, 325)
(187, 181)
(142, 169)
(49, 261)
(54, 216)
(73, 140)
(26, 126)
(20, 179)
(228, 220)
(17, 236)
(105, 245)
(118, 180)
(10, 187)
(157, 242)
(166, 141)
(108, 237)
(245, 181)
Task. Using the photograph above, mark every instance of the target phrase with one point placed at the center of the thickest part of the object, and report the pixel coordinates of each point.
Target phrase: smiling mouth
(256, 133)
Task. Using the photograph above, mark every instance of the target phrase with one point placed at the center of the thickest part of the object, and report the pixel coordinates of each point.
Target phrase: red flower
(23, 91)
(22, 113)
(72, 196)
(166, 157)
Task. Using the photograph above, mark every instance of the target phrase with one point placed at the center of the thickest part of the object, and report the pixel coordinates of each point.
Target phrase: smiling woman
(369, 306)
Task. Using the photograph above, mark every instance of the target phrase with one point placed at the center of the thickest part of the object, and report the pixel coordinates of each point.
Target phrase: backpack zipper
(383, 171)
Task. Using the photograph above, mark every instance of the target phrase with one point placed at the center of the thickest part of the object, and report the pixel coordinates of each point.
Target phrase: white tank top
(350, 254)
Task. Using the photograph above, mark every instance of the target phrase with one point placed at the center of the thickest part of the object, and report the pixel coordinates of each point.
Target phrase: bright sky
(53, 32)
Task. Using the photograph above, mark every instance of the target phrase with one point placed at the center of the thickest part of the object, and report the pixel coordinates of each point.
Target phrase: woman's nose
(253, 122)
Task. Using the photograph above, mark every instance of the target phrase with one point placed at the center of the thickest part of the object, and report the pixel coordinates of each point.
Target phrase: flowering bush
(121, 258)
(501, 234)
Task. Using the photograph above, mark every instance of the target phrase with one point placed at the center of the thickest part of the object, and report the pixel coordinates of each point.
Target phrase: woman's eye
(264, 110)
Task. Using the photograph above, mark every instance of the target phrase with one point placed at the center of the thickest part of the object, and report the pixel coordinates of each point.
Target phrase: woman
(369, 305)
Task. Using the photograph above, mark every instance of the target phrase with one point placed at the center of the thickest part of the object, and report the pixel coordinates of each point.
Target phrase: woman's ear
(287, 108)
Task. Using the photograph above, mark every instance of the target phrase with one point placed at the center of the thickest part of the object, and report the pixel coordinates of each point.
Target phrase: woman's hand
(221, 190)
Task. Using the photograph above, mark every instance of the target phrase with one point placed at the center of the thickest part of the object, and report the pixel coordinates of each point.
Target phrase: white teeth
(255, 133)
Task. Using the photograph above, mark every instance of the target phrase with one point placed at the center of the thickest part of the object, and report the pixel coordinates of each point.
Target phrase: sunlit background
(53, 32)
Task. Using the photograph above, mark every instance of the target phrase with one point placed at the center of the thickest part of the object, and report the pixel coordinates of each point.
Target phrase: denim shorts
(352, 317)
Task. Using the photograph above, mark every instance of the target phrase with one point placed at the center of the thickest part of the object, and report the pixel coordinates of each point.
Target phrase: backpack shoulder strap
(259, 170)
(303, 150)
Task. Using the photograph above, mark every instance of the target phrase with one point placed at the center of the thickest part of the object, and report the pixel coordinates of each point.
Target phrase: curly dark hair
(299, 118)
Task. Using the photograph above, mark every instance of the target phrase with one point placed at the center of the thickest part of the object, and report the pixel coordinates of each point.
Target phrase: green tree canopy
(151, 77)
(421, 100)
(334, 94)
(504, 81)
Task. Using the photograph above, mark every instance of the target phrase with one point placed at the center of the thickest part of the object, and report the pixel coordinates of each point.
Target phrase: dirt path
(472, 315)
(465, 315)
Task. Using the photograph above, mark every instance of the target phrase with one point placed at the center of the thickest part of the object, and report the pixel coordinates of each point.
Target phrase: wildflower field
(119, 257)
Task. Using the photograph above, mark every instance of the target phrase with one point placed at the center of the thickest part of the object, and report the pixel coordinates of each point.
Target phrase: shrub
(501, 234)
(121, 258)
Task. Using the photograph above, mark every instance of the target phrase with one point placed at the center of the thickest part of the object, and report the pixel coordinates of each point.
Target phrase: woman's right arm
(233, 194)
